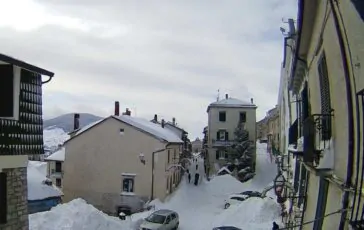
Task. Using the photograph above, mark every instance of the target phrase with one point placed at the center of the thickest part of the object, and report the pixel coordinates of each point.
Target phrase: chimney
(226, 96)
(155, 117)
(76, 121)
(127, 112)
(117, 109)
(251, 100)
(162, 123)
(174, 121)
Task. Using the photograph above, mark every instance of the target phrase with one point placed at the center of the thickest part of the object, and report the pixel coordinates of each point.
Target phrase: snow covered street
(199, 207)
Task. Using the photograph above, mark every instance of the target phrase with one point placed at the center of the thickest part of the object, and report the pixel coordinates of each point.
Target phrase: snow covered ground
(199, 207)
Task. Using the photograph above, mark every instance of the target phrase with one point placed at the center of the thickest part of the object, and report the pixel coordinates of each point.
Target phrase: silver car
(163, 219)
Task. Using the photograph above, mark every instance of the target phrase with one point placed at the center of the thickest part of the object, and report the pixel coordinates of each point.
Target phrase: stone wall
(17, 200)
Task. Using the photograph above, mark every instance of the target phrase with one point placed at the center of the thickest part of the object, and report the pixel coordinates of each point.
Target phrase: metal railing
(317, 133)
(357, 210)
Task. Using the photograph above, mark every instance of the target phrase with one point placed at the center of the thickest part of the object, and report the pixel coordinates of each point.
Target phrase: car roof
(164, 212)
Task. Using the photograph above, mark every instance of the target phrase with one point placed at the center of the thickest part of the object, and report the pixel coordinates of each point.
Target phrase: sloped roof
(145, 125)
(57, 156)
(231, 103)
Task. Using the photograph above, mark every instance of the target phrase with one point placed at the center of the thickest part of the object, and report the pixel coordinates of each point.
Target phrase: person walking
(189, 177)
(275, 226)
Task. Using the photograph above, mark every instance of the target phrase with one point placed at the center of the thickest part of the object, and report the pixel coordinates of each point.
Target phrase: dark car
(252, 193)
(227, 228)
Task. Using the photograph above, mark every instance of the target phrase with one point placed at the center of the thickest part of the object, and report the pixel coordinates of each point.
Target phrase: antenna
(218, 94)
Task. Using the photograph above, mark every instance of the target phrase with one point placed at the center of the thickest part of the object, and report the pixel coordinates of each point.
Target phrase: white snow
(37, 190)
(53, 137)
(232, 102)
(199, 207)
(224, 169)
(75, 215)
(86, 127)
(57, 156)
(151, 128)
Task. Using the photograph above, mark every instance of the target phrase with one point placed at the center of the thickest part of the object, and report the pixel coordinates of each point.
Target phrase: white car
(163, 219)
(235, 199)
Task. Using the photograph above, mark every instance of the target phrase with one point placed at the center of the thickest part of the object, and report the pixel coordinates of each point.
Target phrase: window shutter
(218, 135)
(217, 154)
(226, 136)
(226, 155)
(325, 98)
(3, 198)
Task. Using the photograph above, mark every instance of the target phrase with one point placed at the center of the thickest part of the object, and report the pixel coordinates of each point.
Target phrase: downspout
(350, 121)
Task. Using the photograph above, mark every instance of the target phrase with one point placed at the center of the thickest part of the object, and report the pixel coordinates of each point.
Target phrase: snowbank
(58, 155)
(37, 190)
(75, 215)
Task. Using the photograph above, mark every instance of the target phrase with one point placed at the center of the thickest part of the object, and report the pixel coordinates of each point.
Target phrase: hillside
(65, 121)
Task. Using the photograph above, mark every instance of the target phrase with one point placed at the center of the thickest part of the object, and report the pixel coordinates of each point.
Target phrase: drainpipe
(350, 121)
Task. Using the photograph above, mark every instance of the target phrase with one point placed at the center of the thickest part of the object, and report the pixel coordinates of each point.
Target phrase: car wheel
(175, 228)
(227, 205)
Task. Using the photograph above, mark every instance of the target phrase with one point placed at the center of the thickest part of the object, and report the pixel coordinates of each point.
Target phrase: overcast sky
(164, 57)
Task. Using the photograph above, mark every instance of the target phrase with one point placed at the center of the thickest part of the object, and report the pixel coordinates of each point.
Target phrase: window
(174, 216)
(242, 117)
(325, 98)
(121, 131)
(128, 184)
(7, 91)
(58, 182)
(221, 154)
(222, 135)
(3, 198)
(222, 116)
(237, 198)
(58, 166)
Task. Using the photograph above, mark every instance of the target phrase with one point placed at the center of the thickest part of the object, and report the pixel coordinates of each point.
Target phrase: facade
(262, 130)
(21, 134)
(326, 92)
(116, 154)
(273, 129)
(196, 145)
(55, 169)
(223, 117)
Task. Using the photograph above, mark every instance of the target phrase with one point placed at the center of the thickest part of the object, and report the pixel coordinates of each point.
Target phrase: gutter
(349, 90)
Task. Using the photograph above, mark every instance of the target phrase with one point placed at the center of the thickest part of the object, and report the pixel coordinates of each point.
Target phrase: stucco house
(55, 167)
(223, 117)
(21, 134)
(325, 104)
(109, 163)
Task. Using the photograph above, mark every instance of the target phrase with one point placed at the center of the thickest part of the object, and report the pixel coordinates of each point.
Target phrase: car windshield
(155, 218)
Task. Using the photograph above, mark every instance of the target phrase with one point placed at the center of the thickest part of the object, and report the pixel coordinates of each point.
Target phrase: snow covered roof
(139, 123)
(224, 169)
(57, 156)
(151, 128)
(37, 190)
(231, 103)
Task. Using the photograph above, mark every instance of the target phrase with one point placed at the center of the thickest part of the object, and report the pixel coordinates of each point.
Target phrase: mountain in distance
(65, 121)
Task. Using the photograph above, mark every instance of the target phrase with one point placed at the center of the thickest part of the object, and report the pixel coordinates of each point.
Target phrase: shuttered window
(325, 98)
(6, 91)
(3, 198)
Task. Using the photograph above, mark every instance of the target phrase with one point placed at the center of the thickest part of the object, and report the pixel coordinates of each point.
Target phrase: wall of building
(17, 199)
(102, 155)
(52, 174)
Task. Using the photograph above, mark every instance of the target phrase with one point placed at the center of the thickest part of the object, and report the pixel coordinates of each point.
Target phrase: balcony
(56, 173)
(357, 207)
(317, 143)
(222, 143)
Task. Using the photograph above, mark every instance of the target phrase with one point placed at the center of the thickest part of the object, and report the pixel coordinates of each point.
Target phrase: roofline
(45, 159)
(25, 65)
(176, 127)
(233, 107)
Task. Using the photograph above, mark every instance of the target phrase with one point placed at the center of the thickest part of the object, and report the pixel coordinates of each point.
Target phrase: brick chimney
(226, 96)
(155, 117)
(117, 109)
(127, 112)
(76, 121)
(162, 123)
(174, 121)
(251, 100)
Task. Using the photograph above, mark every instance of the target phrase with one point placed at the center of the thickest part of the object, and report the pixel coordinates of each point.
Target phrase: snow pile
(57, 156)
(53, 137)
(37, 189)
(75, 215)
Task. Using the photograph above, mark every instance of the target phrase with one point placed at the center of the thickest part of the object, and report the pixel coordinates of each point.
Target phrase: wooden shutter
(3, 198)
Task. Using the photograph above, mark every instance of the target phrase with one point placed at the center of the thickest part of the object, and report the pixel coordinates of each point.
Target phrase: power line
(309, 222)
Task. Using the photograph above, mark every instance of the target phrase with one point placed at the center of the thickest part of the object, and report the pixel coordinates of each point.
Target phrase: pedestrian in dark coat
(197, 176)
(189, 177)
(275, 226)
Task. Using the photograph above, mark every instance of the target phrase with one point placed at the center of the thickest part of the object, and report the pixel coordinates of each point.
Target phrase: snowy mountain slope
(54, 137)
(65, 121)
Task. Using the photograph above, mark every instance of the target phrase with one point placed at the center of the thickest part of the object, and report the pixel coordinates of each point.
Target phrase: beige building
(55, 169)
(110, 163)
(262, 130)
(326, 87)
(223, 117)
(196, 145)
(273, 130)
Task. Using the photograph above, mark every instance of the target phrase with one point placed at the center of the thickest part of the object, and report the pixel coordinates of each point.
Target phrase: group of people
(196, 175)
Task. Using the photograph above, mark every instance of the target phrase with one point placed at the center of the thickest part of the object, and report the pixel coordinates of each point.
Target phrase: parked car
(252, 193)
(235, 199)
(226, 228)
(163, 219)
